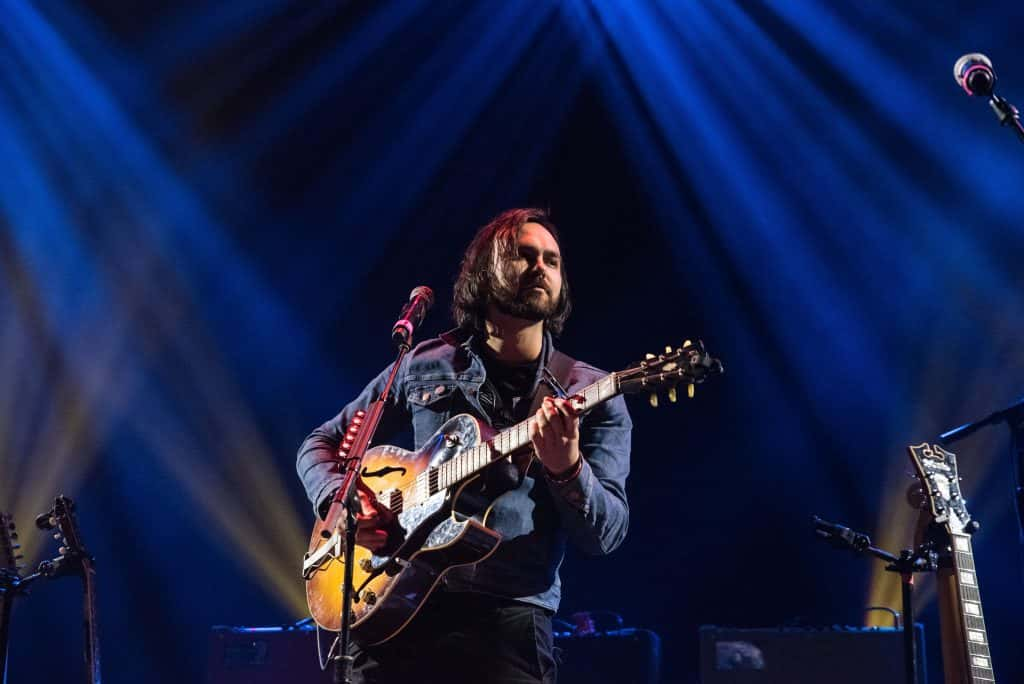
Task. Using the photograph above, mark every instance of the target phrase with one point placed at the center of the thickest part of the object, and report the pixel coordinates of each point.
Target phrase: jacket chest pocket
(430, 404)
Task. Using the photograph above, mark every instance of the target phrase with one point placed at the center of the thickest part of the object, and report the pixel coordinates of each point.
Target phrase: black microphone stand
(348, 497)
(13, 585)
(922, 559)
(1007, 114)
(1013, 416)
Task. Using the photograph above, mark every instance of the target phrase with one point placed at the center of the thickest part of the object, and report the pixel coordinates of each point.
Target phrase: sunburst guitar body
(444, 528)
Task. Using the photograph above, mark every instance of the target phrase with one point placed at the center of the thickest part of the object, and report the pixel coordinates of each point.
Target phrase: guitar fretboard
(470, 461)
(975, 636)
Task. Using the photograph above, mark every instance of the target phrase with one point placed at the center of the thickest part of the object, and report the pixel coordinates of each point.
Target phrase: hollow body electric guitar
(965, 653)
(441, 503)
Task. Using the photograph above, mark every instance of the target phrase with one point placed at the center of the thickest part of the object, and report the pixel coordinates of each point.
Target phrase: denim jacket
(441, 378)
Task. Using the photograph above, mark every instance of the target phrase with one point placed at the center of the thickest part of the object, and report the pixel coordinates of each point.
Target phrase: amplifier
(620, 656)
(836, 655)
(283, 655)
(265, 655)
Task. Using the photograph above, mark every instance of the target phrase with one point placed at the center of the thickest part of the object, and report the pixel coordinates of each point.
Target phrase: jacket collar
(469, 341)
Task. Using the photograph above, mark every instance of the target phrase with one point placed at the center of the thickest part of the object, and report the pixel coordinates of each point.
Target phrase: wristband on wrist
(567, 476)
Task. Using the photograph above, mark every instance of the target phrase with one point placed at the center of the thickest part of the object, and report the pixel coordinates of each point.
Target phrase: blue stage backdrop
(210, 214)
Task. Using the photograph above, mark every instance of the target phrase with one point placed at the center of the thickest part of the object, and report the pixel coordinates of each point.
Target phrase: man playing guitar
(491, 621)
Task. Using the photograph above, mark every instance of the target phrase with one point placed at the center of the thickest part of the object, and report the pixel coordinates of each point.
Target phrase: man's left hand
(555, 434)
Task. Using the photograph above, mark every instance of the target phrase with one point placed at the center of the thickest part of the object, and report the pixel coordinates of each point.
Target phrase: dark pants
(466, 638)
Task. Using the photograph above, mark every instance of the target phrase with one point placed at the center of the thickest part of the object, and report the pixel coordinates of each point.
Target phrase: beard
(523, 301)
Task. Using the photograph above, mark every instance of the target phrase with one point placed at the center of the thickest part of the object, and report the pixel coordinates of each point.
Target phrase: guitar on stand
(442, 511)
(965, 652)
(74, 560)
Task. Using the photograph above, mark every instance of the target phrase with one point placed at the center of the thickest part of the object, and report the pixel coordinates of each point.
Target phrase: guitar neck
(89, 627)
(8, 576)
(972, 619)
(505, 443)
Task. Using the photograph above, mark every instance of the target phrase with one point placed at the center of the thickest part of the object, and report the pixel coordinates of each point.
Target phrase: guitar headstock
(936, 468)
(9, 546)
(62, 518)
(689, 365)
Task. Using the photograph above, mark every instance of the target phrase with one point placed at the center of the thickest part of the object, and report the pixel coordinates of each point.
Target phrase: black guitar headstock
(73, 554)
(689, 364)
(940, 485)
(9, 549)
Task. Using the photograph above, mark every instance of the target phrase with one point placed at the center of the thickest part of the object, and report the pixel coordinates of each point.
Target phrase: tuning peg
(691, 389)
(687, 343)
(672, 394)
(654, 399)
(668, 349)
(648, 357)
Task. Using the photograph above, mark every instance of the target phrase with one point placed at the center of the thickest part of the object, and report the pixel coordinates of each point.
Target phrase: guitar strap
(554, 379)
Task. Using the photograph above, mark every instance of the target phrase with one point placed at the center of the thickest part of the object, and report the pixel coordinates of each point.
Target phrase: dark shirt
(507, 392)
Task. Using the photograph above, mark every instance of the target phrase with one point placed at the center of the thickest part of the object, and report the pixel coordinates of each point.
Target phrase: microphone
(973, 72)
(839, 536)
(420, 300)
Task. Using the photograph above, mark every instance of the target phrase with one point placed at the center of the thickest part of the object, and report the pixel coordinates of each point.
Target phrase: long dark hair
(476, 276)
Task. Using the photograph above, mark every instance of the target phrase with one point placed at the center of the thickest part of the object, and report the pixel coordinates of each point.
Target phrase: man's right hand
(377, 527)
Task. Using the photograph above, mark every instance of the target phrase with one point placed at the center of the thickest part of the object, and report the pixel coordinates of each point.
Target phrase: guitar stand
(55, 568)
(922, 559)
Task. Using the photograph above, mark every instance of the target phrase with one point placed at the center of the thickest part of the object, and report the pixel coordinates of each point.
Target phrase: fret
(967, 577)
(976, 636)
(972, 608)
(974, 622)
(965, 561)
(590, 395)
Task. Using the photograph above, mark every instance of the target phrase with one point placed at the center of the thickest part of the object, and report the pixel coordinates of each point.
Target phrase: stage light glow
(108, 307)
